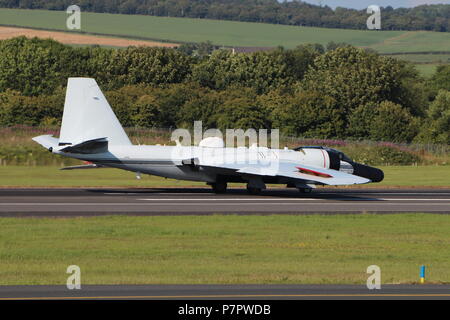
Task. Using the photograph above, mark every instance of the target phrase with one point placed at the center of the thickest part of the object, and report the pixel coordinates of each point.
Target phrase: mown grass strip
(51, 176)
(225, 249)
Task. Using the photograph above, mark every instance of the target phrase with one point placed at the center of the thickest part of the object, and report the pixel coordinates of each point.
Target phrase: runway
(225, 292)
(201, 201)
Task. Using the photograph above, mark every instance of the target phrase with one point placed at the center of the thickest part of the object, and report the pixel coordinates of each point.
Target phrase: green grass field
(278, 249)
(424, 58)
(414, 41)
(51, 176)
(228, 33)
(426, 64)
(427, 70)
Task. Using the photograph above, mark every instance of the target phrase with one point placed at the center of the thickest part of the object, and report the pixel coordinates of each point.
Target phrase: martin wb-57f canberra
(91, 132)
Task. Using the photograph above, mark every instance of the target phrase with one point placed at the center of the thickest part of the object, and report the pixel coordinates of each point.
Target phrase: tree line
(425, 17)
(310, 91)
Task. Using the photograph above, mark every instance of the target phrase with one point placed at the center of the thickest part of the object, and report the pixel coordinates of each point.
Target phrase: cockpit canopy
(332, 152)
(336, 156)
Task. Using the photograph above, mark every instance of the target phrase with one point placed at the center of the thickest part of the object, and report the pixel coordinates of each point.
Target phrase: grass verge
(276, 249)
(51, 176)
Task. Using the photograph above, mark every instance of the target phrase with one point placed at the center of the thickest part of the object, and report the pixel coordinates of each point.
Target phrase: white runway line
(226, 199)
(344, 203)
(119, 193)
(386, 193)
(290, 199)
(135, 193)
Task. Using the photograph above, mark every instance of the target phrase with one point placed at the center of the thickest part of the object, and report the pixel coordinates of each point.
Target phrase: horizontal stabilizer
(99, 145)
(47, 141)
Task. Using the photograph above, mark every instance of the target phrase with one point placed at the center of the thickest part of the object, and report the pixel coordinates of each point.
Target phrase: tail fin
(88, 116)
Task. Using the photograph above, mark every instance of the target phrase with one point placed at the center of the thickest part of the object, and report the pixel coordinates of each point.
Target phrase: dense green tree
(123, 100)
(37, 66)
(392, 122)
(345, 93)
(18, 109)
(318, 115)
(240, 110)
(31, 66)
(279, 105)
(145, 112)
(354, 77)
(262, 71)
(298, 60)
(441, 78)
(361, 119)
(436, 127)
(203, 106)
(305, 113)
(139, 65)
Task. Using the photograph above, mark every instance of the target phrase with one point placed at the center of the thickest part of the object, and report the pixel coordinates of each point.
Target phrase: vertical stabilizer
(88, 116)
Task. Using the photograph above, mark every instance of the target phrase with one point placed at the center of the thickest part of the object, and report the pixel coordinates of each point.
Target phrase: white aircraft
(90, 131)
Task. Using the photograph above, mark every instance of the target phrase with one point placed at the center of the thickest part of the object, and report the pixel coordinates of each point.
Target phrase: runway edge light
(422, 274)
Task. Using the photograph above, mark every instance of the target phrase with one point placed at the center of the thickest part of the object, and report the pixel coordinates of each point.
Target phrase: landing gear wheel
(253, 190)
(219, 187)
(305, 190)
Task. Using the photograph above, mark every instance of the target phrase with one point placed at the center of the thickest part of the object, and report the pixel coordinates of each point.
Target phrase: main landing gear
(219, 187)
(305, 190)
(253, 190)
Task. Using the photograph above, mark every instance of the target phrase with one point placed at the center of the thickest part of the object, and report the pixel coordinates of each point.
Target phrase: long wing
(294, 171)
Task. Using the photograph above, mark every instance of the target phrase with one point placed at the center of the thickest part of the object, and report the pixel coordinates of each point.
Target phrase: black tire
(253, 191)
(219, 187)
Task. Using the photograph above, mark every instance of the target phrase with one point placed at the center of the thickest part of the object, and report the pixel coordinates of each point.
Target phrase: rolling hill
(227, 33)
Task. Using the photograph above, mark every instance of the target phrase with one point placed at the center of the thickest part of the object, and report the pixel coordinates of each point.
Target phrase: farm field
(78, 39)
(414, 41)
(227, 33)
(426, 64)
(427, 70)
(424, 58)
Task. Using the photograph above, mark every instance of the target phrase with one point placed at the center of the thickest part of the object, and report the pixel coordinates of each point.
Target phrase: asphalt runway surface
(169, 201)
(225, 292)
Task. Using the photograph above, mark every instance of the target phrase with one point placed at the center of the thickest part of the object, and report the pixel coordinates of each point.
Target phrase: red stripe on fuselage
(314, 173)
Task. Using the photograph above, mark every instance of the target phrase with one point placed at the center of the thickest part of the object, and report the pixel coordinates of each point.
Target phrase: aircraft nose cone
(374, 174)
